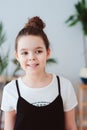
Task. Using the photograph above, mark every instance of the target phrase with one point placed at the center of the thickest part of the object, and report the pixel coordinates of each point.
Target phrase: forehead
(30, 42)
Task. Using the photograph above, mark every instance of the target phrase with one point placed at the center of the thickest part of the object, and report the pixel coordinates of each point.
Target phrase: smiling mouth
(32, 65)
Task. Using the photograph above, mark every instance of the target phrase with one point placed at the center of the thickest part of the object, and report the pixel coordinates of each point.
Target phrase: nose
(31, 56)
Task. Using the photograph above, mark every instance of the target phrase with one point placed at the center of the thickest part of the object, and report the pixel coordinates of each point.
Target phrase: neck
(37, 80)
(36, 77)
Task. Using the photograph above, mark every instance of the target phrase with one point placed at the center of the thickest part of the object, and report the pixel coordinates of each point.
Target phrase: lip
(33, 65)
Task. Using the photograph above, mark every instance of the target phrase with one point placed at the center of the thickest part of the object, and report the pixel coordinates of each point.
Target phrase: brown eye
(38, 51)
(24, 53)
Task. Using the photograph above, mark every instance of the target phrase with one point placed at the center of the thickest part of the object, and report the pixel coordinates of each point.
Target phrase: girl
(38, 100)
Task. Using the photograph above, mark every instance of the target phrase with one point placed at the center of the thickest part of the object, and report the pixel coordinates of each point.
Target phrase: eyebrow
(23, 49)
(39, 48)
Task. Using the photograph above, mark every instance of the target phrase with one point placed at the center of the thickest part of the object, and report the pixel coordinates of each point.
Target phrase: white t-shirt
(39, 96)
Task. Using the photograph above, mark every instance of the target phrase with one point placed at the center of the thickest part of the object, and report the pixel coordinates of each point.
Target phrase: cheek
(42, 58)
(21, 60)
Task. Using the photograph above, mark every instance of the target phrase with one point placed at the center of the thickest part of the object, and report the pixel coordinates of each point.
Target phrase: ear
(48, 53)
(16, 55)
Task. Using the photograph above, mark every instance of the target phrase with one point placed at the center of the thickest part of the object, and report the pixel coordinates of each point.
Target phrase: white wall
(66, 43)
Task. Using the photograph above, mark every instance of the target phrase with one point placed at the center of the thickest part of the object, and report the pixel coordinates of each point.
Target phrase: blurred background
(66, 42)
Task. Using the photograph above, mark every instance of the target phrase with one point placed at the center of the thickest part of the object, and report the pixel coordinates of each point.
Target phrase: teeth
(33, 65)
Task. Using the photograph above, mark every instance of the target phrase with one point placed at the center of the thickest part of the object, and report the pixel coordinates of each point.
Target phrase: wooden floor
(83, 128)
(77, 129)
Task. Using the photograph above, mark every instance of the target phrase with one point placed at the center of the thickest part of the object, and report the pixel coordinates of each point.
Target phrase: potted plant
(3, 57)
(80, 16)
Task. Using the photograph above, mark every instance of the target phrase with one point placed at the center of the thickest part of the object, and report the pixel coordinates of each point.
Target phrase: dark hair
(35, 27)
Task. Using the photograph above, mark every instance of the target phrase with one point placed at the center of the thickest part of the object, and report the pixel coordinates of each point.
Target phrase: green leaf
(70, 18)
(74, 22)
(15, 61)
(51, 60)
(18, 67)
(84, 3)
(78, 7)
(2, 34)
(84, 28)
(3, 57)
(79, 16)
(3, 62)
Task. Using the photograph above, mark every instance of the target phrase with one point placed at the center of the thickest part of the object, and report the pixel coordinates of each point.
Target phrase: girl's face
(32, 53)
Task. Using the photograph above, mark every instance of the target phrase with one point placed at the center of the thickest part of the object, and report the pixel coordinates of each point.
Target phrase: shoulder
(10, 87)
(64, 82)
(66, 86)
(9, 96)
(67, 91)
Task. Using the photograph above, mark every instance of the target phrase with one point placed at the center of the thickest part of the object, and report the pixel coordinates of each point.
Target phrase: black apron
(49, 117)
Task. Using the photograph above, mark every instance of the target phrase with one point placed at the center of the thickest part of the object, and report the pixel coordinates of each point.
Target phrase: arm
(9, 120)
(70, 123)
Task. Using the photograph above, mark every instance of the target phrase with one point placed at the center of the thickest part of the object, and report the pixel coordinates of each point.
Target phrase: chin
(32, 72)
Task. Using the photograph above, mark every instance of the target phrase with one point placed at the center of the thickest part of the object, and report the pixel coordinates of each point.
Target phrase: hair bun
(35, 22)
